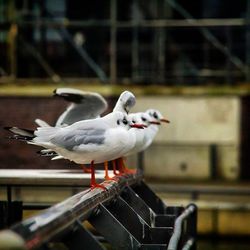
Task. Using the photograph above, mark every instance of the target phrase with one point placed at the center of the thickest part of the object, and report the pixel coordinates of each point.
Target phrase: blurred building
(161, 43)
(166, 42)
(189, 59)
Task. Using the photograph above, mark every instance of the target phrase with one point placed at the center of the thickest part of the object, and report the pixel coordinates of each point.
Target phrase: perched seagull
(83, 105)
(89, 141)
(151, 131)
(145, 120)
(150, 120)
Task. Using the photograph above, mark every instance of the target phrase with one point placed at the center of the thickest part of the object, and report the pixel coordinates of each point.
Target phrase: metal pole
(12, 50)
(248, 41)
(213, 161)
(113, 44)
(9, 205)
(135, 42)
(12, 39)
(140, 161)
(229, 79)
(161, 42)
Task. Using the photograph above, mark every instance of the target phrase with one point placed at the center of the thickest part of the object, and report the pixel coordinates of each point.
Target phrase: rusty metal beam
(39, 229)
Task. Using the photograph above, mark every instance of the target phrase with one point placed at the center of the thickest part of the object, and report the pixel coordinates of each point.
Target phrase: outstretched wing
(84, 105)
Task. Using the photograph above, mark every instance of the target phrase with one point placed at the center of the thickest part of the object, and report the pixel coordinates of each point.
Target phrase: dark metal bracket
(79, 236)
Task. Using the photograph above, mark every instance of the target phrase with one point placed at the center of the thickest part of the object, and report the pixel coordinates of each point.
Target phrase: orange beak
(165, 120)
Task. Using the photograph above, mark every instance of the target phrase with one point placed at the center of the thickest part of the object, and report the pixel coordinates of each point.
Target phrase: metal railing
(127, 215)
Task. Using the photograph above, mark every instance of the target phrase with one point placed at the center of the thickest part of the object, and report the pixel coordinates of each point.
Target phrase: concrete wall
(181, 149)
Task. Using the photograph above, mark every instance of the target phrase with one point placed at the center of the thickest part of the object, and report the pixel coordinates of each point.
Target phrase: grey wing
(79, 137)
(88, 106)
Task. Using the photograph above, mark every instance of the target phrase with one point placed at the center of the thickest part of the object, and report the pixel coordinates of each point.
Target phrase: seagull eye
(155, 116)
(133, 121)
(125, 121)
(118, 122)
(144, 119)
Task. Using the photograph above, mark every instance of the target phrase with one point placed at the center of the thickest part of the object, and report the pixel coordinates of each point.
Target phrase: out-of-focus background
(189, 59)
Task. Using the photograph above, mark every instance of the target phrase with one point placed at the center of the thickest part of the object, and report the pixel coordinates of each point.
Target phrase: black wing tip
(55, 92)
(20, 138)
(7, 128)
(41, 153)
(13, 127)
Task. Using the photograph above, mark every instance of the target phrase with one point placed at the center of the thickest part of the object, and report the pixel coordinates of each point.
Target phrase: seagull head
(122, 120)
(156, 117)
(141, 118)
(125, 102)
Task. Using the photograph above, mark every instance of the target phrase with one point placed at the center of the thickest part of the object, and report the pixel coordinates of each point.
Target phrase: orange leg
(114, 168)
(107, 178)
(93, 183)
(123, 168)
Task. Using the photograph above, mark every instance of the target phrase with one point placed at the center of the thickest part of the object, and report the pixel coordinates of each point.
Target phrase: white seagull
(145, 120)
(150, 120)
(89, 141)
(151, 131)
(85, 105)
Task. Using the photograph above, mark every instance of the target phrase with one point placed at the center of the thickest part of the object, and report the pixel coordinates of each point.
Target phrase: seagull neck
(119, 108)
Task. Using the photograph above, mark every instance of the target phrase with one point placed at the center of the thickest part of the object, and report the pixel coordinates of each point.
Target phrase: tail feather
(47, 152)
(44, 134)
(51, 153)
(20, 134)
(41, 123)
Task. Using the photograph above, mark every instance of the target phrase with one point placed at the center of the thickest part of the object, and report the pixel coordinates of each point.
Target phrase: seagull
(150, 120)
(145, 120)
(85, 105)
(151, 131)
(89, 141)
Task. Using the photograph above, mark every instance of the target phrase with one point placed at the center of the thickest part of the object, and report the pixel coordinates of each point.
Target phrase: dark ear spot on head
(130, 102)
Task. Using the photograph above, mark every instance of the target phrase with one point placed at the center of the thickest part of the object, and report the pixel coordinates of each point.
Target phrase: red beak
(165, 120)
(140, 126)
